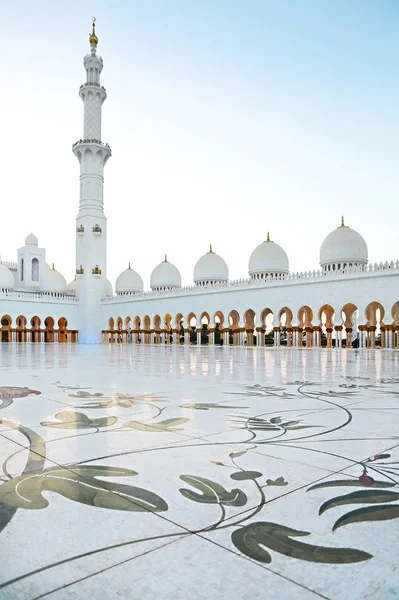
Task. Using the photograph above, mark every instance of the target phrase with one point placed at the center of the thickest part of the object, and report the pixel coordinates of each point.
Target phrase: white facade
(347, 298)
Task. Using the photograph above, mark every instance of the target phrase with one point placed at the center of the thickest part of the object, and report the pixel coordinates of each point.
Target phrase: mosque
(348, 302)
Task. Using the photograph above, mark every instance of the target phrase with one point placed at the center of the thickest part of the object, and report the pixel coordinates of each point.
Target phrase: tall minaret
(91, 223)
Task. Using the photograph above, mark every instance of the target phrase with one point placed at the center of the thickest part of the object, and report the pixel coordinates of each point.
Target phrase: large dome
(6, 278)
(165, 276)
(210, 269)
(31, 240)
(129, 282)
(52, 282)
(268, 260)
(343, 247)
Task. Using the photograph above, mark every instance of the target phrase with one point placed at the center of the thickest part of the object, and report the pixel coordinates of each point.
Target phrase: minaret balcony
(80, 271)
(97, 230)
(96, 271)
(80, 230)
(92, 83)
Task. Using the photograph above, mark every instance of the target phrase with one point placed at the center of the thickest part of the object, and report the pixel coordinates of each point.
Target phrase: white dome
(165, 276)
(268, 259)
(71, 288)
(210, 269)
(129, 282)
(31, 240)
(343, 247)
(6, 278)
(52, 282)
(108, 289)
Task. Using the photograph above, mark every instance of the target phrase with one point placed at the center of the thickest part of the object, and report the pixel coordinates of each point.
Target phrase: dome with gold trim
(343, 247)
(210, 269)
(268, 260)
(165, 276)
(128, 282)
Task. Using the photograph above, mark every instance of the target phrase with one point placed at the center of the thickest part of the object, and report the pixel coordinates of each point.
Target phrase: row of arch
(35, 332)
(328, 328)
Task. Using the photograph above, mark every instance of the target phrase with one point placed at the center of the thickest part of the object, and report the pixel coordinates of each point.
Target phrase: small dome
(129, 282)
(165, 276)
(211, 269)
(268, 259)
(52, 282)
(71, 288)
(108, 289)
(6, 278)
(31, 240)
(343, 247)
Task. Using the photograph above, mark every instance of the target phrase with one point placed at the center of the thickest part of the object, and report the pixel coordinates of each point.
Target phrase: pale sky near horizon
(227, 119)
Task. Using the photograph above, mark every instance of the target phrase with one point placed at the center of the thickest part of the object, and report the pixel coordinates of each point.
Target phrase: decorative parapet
(91, 141)
(360, 272)
(25, 295)
(9, 263)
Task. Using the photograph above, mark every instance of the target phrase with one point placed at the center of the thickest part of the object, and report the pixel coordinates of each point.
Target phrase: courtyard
(178, 472)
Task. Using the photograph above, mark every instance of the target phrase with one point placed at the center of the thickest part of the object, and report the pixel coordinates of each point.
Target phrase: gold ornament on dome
(93, 39)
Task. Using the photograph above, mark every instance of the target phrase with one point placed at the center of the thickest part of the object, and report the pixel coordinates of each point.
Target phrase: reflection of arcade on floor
(332, 329)
(22, 333)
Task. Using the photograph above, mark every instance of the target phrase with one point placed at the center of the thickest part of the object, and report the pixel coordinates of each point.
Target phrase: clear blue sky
(226, 118)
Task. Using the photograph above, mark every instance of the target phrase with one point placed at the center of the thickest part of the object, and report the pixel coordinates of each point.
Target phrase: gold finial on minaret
(129, 267)
(342, 221)
(52, 267)
(93, 39)
(210, 249)
(166, 258)
(268, 237)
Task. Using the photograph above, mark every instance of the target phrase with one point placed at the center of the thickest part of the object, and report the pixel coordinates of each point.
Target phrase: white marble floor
(198, 473)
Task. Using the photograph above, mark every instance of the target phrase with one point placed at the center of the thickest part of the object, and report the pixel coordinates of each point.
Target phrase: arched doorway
(157, 329)
(6, 333)
(49, 330)
(62, 330)
(128, 329)
(35, 329)
(179, 322)
(285, 317)
(326, 318)
(305, 327)
(234, 328)
(374, 314)
(147, 329)
(111, 330)
(249, 326)
(119, 328)
(267, 331)
(137, 330)
(204, 329)
(349, 314)
(168, 328)
(192, 326)
(218, 320)
(21, 335)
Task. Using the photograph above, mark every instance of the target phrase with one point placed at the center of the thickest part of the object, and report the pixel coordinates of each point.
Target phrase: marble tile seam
(105, 569)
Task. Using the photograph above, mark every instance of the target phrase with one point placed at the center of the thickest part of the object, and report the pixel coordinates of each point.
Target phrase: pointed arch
(35, 329)
(6, 333)
(21, 329)
(49, 330)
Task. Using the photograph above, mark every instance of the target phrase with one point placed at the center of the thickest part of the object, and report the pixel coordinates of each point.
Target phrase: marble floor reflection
(193, 472)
